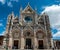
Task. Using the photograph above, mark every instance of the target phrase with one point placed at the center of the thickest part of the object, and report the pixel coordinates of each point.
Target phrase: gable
(28, 9)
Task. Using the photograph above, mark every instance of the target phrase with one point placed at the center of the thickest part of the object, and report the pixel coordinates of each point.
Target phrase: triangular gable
(28, 9)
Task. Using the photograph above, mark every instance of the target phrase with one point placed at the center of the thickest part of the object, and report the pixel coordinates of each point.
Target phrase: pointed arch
(28, 33)
(40, 34)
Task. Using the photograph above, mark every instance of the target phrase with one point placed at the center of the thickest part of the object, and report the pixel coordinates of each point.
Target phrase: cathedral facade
(29, 30)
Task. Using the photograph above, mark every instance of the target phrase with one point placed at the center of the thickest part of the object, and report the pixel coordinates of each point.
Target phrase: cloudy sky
(51, 7)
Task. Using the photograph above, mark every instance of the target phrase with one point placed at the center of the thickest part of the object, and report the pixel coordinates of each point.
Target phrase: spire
(12, 13)
(28, 3)
(44, 13)
(20, 8)
(16, 17)
(28, 9)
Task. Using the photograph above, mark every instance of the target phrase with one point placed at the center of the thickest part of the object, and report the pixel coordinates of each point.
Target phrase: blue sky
(51, 7)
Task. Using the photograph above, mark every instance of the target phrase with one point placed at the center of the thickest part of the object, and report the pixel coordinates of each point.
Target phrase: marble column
(52, 43)
(22, 40)
(10, 43)
(45, 42)
(35, 41)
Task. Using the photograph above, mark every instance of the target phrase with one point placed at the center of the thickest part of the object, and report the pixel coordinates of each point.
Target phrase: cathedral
(28, 31)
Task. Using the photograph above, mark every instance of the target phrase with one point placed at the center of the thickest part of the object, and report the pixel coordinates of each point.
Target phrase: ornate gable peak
(11, 15)
(28, 9)
(44, 14)
(16, 18)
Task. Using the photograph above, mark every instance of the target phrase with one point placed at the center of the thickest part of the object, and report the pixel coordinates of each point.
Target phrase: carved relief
(16, 35)
(40, 35)
(28, 33)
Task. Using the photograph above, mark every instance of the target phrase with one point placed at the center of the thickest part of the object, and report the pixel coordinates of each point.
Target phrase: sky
(50, 7)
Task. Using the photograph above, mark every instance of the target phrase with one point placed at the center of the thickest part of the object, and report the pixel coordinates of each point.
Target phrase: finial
(16, 17)
(12, 13)
(44, 13)
(28, 3)
(21, 8)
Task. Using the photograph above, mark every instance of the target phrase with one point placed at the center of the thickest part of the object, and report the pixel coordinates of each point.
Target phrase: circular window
(28, 19)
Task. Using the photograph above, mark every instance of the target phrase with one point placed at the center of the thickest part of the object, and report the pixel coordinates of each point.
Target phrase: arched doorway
(28, 43)
(28, 39)
(15, 45)
(40, 36)
(40, 44)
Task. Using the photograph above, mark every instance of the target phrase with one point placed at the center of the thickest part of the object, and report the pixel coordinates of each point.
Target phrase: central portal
(40, 44)
(15, 46)
(28, 44)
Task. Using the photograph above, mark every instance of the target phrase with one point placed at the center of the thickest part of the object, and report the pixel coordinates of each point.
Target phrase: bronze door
(28, 44)
(40, 44)
(15, 44)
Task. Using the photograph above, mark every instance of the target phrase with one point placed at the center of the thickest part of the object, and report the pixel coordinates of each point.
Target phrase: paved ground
(30, 49)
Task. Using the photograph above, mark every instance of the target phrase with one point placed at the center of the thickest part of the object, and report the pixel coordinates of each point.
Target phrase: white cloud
(57, 34)
(2, 1)
(9, 4)
(54, 14)
(2, 33)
